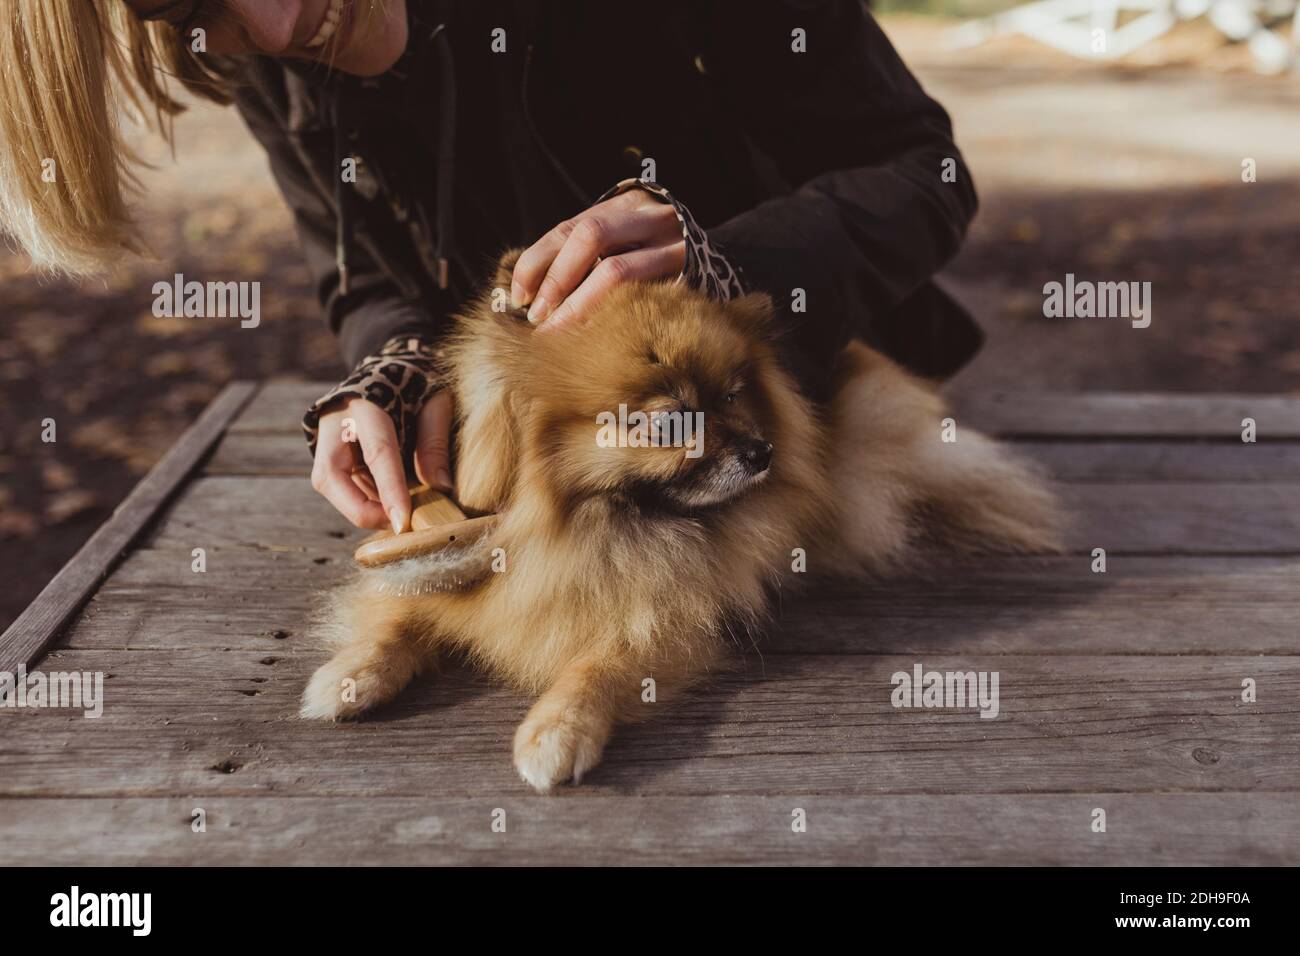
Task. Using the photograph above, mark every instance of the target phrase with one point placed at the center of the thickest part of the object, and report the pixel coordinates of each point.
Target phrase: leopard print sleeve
(707, 269)
(399, 378)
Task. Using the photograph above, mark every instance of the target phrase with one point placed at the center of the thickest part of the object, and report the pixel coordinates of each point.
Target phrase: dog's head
(660, 397)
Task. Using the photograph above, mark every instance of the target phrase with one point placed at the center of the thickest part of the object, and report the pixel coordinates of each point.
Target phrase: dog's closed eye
(735, 388)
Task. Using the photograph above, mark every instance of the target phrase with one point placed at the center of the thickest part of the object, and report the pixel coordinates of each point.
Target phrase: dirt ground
(1114, 174)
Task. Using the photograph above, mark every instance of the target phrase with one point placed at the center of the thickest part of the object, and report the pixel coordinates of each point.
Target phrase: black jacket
(817, 170)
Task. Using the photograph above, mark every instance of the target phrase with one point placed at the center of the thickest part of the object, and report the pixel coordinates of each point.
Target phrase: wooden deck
(1120, 691)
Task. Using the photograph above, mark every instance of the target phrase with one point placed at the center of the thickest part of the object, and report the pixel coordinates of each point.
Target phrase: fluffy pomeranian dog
(613, 564)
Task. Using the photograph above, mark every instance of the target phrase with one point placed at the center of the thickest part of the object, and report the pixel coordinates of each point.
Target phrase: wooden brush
(436, 523)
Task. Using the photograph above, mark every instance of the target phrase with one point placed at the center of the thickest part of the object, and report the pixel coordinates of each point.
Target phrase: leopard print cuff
(399, 378)
(707, 269)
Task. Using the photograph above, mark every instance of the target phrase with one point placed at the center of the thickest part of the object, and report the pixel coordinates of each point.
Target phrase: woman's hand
(633, 235)
(359, 468)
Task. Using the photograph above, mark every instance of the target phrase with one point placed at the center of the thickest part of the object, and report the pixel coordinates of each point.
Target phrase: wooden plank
(261, 513)
(1127, 414)
(260, 453)
(223, 723)
(279, 407)
(1163, 460)
(262, 600)
(1140, 605)
(1183, 518)
(278, 453)
(1251, 829)
(43, 619)
(272, 512)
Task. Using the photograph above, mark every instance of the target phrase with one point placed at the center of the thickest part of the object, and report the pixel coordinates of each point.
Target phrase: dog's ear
(487, 443)
(495, 298)
(753, 312)
(506, 269)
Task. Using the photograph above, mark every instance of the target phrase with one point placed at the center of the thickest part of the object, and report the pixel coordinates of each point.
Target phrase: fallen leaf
(18, 524)
(1024, 230)
(69, 504)
(167, 363)
(58, 476)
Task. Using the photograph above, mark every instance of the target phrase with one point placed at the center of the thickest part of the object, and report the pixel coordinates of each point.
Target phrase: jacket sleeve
(377, 307)
(870, 215)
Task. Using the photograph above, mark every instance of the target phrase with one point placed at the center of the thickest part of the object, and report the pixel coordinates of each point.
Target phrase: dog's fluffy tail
(899, 483)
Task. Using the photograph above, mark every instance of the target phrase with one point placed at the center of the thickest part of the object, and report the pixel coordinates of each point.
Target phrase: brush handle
(431, 508)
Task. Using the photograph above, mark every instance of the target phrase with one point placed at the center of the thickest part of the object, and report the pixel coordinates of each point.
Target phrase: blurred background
(1118, 165)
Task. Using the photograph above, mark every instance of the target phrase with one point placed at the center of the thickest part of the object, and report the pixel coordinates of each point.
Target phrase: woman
(415, 141)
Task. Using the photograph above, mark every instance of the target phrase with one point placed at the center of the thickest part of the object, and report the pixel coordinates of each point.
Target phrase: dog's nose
(756, 454)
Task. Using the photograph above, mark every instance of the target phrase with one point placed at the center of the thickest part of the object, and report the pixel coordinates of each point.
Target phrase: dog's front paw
(335, 693)
(556, 743)
(353, 683)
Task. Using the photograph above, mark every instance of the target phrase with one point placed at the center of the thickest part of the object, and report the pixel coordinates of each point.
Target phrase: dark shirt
(819, 170)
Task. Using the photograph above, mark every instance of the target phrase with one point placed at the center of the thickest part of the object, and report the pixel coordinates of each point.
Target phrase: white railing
(1092, 29)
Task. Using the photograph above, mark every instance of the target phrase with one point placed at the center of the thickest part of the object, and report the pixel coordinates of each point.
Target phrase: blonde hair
(69, 70)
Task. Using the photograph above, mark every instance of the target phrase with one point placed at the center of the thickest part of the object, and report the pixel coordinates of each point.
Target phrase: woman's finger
(531, 266)
(383, 458)
(433, 444)
(593, 237)
(639, 264)
(533, 262)
(331, 476)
